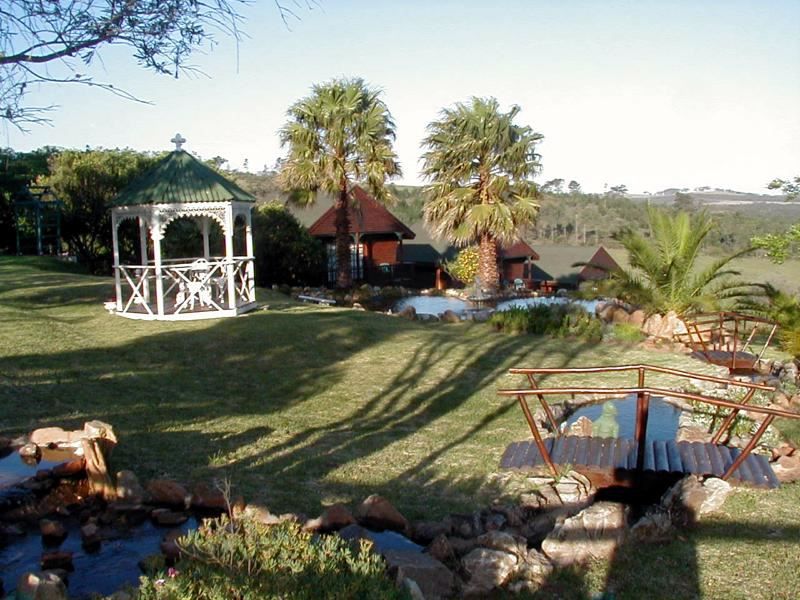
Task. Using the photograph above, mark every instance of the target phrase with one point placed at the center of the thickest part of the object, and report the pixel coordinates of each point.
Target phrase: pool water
(662, 420)
(431, 305)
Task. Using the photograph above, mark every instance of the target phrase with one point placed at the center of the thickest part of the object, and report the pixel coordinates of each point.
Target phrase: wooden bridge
(619, 459)
(729, 339)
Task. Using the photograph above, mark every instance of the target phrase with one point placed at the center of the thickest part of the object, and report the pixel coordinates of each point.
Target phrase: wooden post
(155, 233)
(749, 447)
(642, 411)
(204, 223)
(537, 437)
(143, 256)
(251, 273)
(229, 256)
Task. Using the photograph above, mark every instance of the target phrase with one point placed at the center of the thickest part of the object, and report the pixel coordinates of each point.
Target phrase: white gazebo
(184, 288)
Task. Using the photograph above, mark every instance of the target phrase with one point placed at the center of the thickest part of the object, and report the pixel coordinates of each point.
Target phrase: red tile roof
(603, 259)
(366, 216)
(518, 249)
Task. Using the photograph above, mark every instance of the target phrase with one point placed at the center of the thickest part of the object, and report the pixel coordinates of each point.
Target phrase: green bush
(558, 321)
(464, 267)
(628, 332)
(243, 559)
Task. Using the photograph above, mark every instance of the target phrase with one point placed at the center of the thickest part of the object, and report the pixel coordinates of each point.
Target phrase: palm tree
(339, 135)
(663, 273)
(480, 166)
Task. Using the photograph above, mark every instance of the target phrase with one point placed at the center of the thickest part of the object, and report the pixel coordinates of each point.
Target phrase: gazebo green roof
(180, 178)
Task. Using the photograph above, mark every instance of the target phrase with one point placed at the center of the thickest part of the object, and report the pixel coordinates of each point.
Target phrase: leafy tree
(617, 190)
(684, 201)
(285, 251)
(87, 181)
(53, 41)
(339, 135)
(480, 165)
(574, 187)
(664, 275)
(789, 187)
(554, 186)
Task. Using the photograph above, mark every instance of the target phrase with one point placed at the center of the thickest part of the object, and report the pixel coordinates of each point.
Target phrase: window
(356, 262)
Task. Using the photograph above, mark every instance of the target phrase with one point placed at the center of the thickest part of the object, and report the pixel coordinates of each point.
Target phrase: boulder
(500, 540)
(689, 498)
(40, 586)
(787, 468)
(594, 533)
(441, 549)
(50, 437)
(692, 433)
(168, 518)
(70, 468)
(664, 326)
(128, 488)
(424, 532)
(90, 535)
(208, 498)
(488, 569)
(52, 530)
(449, 316)
(30, 451)
(531, 572)
(655, 526)
(433, 578)
(334, 518)
(169, 545)
(376, 512)
(166, 491)
(56, 560)
(260, 514)
(637, 317)
(409, 312)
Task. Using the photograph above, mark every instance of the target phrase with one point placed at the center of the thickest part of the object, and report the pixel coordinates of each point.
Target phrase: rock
(70, 468)
(260, 514)
(441, 550)
(168, 518)
(98, 430)
(56, 560)
(581, 427)
(52, 530)
(637, 317)
(488, 569)
(481, 316)
(783, 449)
(377, 513)
(40, 586)
(166, 491)
(531, 572)
(30, 450)
(335, 518)
(494, 522)
(90, 535)
(537, 529)
(655, 526)
(354, 534)
(208, 498)
(500, 540)
(128, 489)
(787, 468)
(461, 546)
(412, 589)
(409, 312)
(692, 433)
(51, 437)
(571, 489)
(169, 545)
(689, 499)
(424, 532)
(594, 533)
(620, 315)
(449, 316)
(433, 578)
(664, 326)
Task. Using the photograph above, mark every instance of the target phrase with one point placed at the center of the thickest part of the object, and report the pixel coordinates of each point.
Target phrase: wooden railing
(730, 333)
(643, 393)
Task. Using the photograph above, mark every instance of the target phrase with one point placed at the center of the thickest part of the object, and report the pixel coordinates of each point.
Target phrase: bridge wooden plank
(557, 452)
(727, 458)
(593, 452)
(768, 475)
(620, 460)
(649, 458)
(515, 460)
(633, 455)
(608, 456)
(581, 451)
(674, 457)
(568, 455)
(661, 461)
(717, 462)
(687, 457)
(701, 456)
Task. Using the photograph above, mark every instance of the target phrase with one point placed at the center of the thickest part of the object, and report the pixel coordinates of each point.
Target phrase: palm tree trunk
(343, 271)
(487, 262)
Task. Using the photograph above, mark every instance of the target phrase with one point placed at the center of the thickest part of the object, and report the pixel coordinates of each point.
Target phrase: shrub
(559, 321)
(628, 332)
(243, 559)
(464, 267)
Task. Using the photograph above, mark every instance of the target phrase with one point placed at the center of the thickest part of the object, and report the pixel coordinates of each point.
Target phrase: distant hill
(712, 197)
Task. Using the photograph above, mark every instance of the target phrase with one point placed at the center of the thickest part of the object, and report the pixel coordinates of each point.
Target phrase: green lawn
(302, 406)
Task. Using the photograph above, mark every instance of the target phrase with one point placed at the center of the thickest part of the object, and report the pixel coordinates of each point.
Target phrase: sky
(649, 94)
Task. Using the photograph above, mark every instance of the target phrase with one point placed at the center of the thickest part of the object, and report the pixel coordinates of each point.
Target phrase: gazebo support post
(251, 275)
(155, 232)
(204, 225)
(115, 244)
(144, 259)
(229, 257)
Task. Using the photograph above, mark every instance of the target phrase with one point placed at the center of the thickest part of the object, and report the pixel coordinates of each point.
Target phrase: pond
(662, 421)
(588, 305)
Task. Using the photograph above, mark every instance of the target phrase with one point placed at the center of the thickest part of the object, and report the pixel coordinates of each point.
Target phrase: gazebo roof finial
(179, 141)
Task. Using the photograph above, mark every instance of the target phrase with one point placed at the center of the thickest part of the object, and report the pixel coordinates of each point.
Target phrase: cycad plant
(663, 273)
(339, 135)
(480, 166)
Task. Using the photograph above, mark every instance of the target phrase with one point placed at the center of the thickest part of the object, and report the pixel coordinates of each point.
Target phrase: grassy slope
(300, 406)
